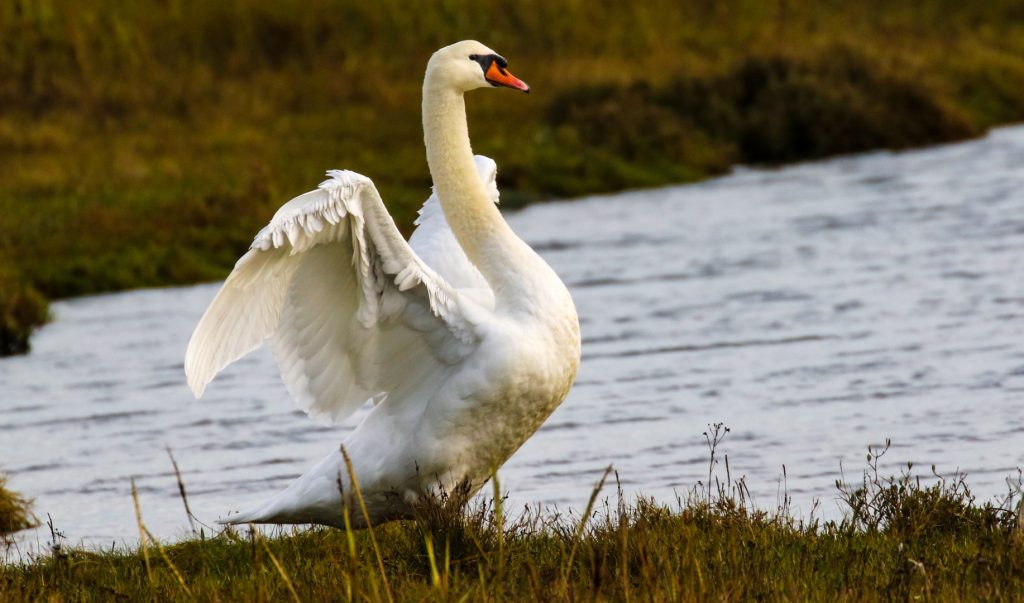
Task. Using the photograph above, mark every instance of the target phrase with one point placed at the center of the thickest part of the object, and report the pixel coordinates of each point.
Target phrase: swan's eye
(487, 60)
(482, 60)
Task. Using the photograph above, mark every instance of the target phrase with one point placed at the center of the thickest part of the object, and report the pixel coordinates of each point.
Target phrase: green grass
(899, 539)
(144, 144)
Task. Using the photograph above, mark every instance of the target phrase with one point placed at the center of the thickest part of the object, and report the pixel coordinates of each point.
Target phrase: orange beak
(498, 76)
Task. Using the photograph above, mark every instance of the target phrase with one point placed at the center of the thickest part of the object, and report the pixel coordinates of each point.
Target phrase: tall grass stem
(369, 526)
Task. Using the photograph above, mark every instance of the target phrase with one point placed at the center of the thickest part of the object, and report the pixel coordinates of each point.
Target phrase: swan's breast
(523, 372)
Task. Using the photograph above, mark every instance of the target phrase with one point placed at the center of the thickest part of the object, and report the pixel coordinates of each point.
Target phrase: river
(815, 310)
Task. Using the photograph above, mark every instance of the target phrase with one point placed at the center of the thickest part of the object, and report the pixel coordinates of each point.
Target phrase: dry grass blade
(350, 540)
(174, 569)
(583, 524)
(181, 491)
(435, 575)
(277, 565)
(142, 533)
(369, 525)
(622, 526)
(499, 520)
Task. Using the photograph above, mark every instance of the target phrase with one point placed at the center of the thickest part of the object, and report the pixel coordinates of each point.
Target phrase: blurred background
(143, 143)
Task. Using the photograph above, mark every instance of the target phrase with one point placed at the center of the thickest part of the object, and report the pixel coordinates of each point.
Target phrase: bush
(900, 505)
(764, 110)
(22, 310)
(14, 511)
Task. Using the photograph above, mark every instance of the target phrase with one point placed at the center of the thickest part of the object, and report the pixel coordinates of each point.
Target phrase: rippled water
(815, 309)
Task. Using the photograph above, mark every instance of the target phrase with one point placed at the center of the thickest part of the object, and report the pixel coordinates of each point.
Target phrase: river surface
(815, 310)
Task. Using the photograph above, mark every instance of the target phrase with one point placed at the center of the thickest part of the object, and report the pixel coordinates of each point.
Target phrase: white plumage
(463, 337)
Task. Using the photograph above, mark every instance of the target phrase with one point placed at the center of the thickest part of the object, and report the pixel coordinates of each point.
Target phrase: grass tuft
(22, 310)
(15, 511)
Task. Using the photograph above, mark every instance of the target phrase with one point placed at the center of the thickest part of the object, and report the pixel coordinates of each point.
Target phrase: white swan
(464, 338)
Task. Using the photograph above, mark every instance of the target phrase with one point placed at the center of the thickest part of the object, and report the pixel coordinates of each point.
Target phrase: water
(815, 310)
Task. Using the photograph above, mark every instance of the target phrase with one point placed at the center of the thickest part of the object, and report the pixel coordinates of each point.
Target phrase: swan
(463, 338)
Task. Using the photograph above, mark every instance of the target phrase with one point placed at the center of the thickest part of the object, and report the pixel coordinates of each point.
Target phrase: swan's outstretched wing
(352, 312)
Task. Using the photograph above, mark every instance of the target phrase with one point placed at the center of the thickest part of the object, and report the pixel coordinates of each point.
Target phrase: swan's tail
(280, 509)
(315, 497)
(250, 516)
(266, 512)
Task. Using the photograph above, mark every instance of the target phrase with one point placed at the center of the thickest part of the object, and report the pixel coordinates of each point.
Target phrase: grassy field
(899, 540)
(144, 143)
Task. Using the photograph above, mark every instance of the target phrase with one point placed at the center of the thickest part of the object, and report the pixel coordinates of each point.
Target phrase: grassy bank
(144, 144)
(899, 540)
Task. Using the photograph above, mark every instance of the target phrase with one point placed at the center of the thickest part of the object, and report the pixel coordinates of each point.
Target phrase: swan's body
(465, 338)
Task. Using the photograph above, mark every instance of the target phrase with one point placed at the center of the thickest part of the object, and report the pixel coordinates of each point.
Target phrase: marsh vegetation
(900, 538)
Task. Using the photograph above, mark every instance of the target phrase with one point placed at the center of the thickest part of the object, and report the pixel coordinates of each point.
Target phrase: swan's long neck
(477, 224)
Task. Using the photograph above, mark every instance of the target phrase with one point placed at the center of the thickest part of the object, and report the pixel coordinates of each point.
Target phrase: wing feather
(351, 311)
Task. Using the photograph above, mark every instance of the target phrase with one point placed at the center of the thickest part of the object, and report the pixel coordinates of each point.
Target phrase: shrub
(766, 109)
(22, 310)
(14, 511)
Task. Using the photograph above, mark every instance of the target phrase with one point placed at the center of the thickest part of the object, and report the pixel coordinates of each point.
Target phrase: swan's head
(468, 65)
